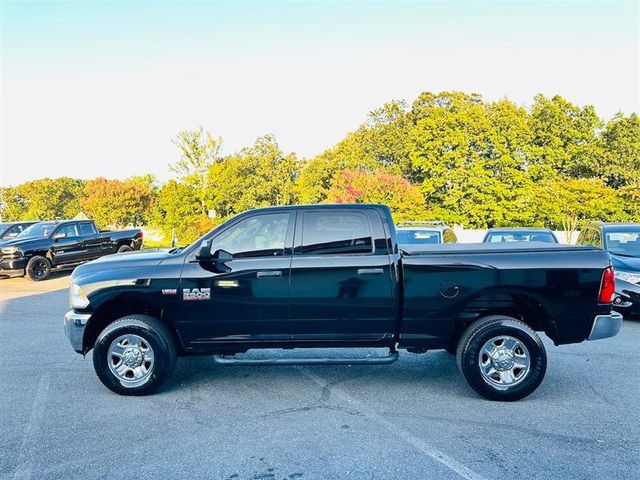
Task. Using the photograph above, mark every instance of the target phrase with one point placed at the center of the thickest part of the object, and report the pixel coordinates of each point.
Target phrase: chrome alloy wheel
(130, 359)
(504, 362)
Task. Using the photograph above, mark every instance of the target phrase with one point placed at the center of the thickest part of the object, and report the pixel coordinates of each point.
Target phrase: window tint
(69, 230)
(417, 237)
(328, 232)
(259, 236)
(13, 231)
(87, 229)
(544, 237)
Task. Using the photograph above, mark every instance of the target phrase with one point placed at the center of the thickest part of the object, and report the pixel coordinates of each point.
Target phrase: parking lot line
(416, 442)
(24, 464)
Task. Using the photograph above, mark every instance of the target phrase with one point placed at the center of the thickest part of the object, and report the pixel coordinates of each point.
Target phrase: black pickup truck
(333, 276)
(45, 246)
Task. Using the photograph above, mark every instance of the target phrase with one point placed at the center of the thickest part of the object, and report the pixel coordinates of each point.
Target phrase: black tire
(483, 331)
(124, 249)
(153, 334)
(38, 268)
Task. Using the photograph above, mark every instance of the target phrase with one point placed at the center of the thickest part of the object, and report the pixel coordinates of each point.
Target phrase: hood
(24, 243)
(143, 258)
(627, 264)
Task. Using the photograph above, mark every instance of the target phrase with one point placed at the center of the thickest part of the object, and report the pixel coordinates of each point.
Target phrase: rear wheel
(38, 268)
(502, 358)
(124, 249)
(134, 355)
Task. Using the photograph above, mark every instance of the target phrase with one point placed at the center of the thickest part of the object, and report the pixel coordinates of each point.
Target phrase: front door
(67, 245)
(250, 302)
(342, 286)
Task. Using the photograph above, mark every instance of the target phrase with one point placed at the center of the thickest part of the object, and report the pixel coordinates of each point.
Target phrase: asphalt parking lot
(413, 419)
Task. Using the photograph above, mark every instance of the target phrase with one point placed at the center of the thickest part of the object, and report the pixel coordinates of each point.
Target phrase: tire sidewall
(125, 249)
(471, 353)
(162, 361)
(30, 264)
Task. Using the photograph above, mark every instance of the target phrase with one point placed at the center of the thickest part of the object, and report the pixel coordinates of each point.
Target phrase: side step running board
(223, 360)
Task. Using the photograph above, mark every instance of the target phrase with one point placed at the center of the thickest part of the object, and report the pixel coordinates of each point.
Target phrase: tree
(116, 203)
(42, 199)
(199, 150)
(177, 205)
(564, 138)
(619, 164)
(258, 176)
(356, 186)
(568, 204)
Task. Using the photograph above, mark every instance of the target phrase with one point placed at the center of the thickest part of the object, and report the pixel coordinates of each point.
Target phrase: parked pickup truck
(333, 276)
(45, 246)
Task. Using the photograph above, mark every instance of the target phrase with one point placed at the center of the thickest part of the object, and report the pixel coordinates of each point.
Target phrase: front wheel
(134, 355)
(38, 268)
(502, 358)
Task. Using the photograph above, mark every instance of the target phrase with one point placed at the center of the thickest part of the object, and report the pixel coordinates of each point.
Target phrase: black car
(45, 246)
(622, 241)
(325, 276)
(9, 230)
(519, 234)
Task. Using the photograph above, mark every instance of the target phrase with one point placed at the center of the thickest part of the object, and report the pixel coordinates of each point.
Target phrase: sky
(93, 88)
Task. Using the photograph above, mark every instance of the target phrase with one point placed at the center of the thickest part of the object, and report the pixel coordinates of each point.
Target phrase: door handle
(370, 271)
(269, 273)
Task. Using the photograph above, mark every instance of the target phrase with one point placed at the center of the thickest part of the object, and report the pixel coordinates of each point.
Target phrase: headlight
(9, 250)
(631, 277)
(77, 298)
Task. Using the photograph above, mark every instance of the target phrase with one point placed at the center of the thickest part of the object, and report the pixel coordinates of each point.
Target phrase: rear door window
(87, 228)
(336, 232)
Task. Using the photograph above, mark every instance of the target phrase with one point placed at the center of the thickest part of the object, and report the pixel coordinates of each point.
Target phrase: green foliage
(176, 206)
(258, 176)
(117, 203)
(448, 155)
(568, 203)
(42, 199)
(199, 150)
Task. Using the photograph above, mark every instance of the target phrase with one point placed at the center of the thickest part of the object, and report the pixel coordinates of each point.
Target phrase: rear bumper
(74, 325)
(605, 326)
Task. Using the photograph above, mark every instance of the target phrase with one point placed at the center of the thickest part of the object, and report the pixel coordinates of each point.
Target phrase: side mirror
(60, 235)
(213, 262)
(204, 253)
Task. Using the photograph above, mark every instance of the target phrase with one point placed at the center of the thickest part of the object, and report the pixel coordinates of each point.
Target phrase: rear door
(342, 285)
(91, 240)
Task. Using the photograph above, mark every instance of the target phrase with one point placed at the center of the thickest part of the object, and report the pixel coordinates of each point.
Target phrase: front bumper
(74, 325)
(12, 266)
(627, 298)
(605, 326)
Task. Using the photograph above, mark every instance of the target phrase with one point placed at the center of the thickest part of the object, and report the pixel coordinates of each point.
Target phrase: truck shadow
(435, 372)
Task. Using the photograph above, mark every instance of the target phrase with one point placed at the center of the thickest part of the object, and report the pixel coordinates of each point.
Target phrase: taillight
(607, 286)
(140, 235)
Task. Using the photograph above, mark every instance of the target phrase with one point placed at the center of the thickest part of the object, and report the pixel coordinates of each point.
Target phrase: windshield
(418, 237)
(626, 243)
(37, 230)
(545, 237)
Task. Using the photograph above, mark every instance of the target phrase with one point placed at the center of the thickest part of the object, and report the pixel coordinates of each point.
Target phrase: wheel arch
(119, 307)
(513, 302)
